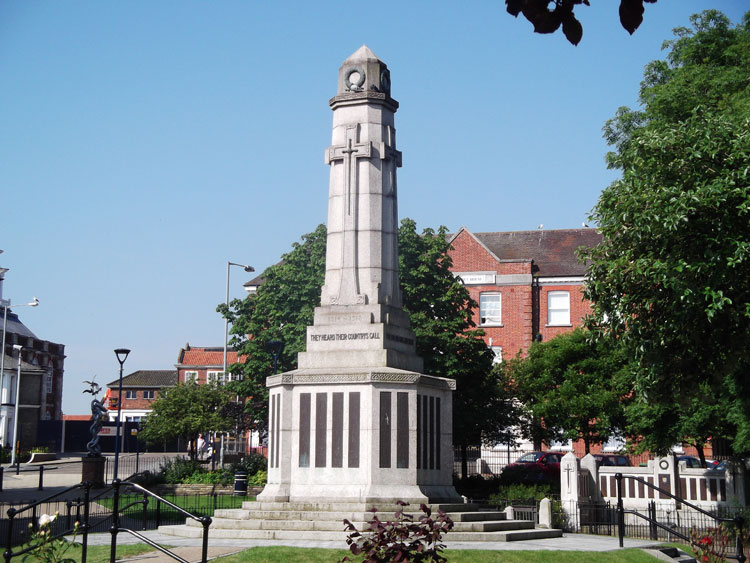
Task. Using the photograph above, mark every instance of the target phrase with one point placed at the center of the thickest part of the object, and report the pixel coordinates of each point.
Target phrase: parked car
(610, 460)
(534, 467)
(693, 462)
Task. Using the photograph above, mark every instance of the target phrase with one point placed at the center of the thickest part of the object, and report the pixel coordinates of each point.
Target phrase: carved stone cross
(349, 153)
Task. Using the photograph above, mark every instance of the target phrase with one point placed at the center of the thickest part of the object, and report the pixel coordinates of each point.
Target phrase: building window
(566, 446)
(49, 382)
(191, 376)
(558, 308)
(489, 309)
(498, 352)
(130, 394)
(148, 393)
(216, 377)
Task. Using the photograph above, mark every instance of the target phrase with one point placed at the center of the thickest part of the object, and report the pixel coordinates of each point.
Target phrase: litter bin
(240, 483)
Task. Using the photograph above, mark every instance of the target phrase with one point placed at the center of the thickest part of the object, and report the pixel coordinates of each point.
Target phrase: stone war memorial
(358, 420)
(358, 425)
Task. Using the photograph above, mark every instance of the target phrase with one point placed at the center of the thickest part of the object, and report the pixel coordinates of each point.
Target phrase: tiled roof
(196, 356)
(552, 251)
(148, 378)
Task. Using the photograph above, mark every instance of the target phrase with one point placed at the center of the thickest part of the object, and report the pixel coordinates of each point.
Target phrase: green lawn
(201, 505)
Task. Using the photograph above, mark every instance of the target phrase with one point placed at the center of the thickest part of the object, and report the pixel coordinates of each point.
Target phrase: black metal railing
(79, 519)
(655, 524)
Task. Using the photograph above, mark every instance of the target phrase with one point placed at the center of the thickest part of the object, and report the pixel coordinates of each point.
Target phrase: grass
(100, 553)
(201, 505)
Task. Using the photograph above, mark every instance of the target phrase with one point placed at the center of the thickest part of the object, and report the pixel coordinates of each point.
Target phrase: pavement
(24, 488)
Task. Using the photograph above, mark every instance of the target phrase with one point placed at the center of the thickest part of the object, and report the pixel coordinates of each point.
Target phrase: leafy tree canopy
(570, 387)
(671, 278)
(549, 15)
(439, 308)
(186, 410)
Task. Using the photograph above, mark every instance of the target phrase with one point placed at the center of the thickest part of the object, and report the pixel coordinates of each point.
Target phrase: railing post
(41, 477)
(158, 513)
(9, 540)
(85, 524)
(740, 521)
(206, 522)
(115, 521)
(653, 531)
(1, 479)
(620, 510)
(145, 510)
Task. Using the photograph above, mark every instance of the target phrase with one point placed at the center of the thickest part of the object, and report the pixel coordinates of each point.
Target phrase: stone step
(299, 525)
(245, 514)
(362, 525)
(309, 535)
(353, 507)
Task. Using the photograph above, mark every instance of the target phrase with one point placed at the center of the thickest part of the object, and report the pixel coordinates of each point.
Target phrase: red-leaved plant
(710, 545)
(401, 539)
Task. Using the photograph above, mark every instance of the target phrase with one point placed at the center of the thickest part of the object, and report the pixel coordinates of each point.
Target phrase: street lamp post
(122, 355)
(226, 319)
(226, 339)
(15, 407)
(5, 304)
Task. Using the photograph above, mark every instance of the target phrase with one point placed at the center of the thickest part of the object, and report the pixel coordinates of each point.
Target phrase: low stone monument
(358, 421)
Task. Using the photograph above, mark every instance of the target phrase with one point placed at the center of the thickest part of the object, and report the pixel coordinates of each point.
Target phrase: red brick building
(139, 390)
(529, 284)
(203, 364)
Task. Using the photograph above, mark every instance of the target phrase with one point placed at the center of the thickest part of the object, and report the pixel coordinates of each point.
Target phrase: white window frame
(498, 354)
(129, 392)
(615, 444)
(216, 376)
(149, 394)
(558, 315)
(566, 446)
(191, 376)
(484, 314)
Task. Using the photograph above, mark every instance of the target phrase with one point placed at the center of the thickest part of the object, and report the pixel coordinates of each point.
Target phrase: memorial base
(92, 469)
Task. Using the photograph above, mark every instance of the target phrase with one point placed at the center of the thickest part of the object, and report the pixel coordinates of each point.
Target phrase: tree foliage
(548, 16)
(671, 278)
(439, 308)
(571, 387)
(186, 410)
(441, 312)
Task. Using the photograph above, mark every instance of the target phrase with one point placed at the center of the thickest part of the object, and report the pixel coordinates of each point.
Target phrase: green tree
(281, 310)
(441, 313)
(571, 387)
(438, 305)
(186, 410)
(671, 279)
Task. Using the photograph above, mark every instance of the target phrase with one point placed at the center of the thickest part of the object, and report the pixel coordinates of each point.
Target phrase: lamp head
(122, 355)
(249, 269)
(34, 303)
(18, 347)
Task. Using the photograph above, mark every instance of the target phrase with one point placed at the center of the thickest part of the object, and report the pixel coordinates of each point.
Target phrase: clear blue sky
(145, 143)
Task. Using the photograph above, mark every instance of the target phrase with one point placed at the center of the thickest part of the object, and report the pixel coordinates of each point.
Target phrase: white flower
(46, 519)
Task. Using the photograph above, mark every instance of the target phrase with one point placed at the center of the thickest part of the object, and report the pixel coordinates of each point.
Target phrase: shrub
(259, 479)
(402, 539)
(251, 463)
(203, 477)
(177, 469)
(476, 486)
(516, 492)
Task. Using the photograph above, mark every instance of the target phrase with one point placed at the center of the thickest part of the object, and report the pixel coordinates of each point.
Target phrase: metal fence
(485, 461)
(143, 513)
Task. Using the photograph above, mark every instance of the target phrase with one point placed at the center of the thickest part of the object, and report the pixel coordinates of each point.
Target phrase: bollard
(41, 477)
(1, 479)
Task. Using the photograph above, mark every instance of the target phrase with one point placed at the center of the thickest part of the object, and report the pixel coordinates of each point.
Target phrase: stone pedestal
(92, 469)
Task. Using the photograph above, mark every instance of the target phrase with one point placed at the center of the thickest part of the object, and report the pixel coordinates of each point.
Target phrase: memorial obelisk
(358, 421)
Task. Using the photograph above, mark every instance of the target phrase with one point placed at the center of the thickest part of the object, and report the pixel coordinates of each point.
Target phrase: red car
(537, 466)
